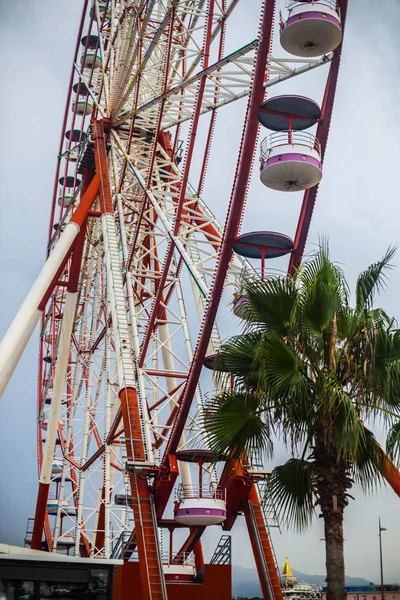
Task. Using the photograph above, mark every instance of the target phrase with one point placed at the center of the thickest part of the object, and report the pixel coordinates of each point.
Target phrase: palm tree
(311, 370)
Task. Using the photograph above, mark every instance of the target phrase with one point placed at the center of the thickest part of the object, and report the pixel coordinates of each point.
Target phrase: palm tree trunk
(333, 521)
(332, 484)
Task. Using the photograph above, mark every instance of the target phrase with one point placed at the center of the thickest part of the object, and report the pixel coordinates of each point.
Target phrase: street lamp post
(380, 555)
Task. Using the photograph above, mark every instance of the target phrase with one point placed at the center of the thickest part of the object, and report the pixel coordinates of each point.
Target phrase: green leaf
(393, 442)
(341, 419)
(323, 292)
(373, 280)
(270, 302)
(368, 460)
(281, 370)
(233, 422)
(291, 490)
(237, 356)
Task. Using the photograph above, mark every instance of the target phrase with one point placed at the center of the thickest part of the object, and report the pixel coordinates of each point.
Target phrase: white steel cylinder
(166, 351)
(61, 372)
(24, 323)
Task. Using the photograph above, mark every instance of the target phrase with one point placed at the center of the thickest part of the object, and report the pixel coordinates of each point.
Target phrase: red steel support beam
(100, 154)
(146, 535)
(192, 543)
(392, 475)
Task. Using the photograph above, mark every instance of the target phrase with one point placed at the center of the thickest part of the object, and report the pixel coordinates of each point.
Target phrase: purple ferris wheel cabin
(312, 28)
(290, 157)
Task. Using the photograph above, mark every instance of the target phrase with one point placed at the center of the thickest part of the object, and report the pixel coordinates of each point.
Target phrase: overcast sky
(358, 208)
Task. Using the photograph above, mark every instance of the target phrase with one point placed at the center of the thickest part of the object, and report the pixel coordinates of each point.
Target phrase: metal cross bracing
(128, 309)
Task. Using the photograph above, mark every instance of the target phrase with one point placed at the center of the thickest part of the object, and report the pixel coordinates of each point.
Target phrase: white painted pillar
(25, 321)
(59, 384)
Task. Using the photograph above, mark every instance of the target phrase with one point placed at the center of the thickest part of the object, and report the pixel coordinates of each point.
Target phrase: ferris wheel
(138, 263)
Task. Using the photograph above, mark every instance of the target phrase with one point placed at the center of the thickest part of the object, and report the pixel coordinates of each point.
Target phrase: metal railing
(185, 492)
(333, 4)
(288, 138)
(186, 559)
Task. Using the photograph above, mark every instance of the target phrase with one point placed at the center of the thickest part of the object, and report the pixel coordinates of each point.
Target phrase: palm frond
(393, 442)
(281, 371)
(236, 356)
(291, 489)
(373, 280)
(389, 392)
(368, 460)
(338, 412)
(322, 294)
(270, 302)
(233, 422)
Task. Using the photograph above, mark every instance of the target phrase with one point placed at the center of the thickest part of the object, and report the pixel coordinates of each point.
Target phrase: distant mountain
(320, 579)
(245, 581)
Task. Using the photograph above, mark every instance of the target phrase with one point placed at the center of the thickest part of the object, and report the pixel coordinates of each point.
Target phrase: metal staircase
(264, 553)
(147, 536)
(29, 532)
(266, 502)
(223, 552)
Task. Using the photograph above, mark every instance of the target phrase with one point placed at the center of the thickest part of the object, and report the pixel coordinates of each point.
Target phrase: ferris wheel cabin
(69, 181)
(199, 505)
(54, 503)
(56, 467)
(183, 572)
(83, 106)
(91, 60)
(74, 135)
(67, 199)
(290, 158)
(311, 28)
(103, 10)
(90, 41)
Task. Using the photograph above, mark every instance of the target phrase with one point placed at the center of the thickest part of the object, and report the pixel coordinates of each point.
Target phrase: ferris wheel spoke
(151, 55)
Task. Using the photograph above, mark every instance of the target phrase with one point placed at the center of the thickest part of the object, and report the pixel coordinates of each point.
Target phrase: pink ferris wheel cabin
(311, 28)
(290, 157)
